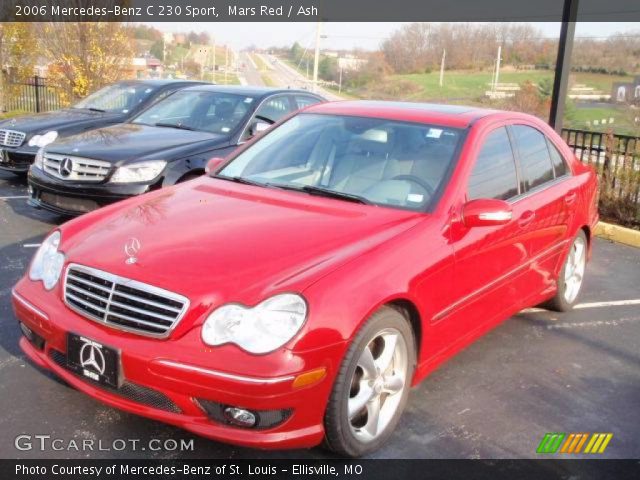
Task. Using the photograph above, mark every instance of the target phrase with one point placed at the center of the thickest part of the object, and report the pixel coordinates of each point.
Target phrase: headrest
(224, 109)
(372, 142)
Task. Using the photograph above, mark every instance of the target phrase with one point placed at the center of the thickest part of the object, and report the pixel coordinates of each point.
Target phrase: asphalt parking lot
(539, 372)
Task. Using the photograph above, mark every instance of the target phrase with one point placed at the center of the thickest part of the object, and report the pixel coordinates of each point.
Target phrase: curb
(619, 234)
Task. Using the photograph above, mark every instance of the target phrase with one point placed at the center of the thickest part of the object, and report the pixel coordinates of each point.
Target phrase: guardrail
(616, 159)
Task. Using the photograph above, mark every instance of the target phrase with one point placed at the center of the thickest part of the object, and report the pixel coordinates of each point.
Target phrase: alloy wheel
(574, 270)
(377, 384)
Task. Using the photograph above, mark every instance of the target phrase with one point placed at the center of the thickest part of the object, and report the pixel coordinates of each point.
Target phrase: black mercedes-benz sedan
(21, 137)
(169, 142)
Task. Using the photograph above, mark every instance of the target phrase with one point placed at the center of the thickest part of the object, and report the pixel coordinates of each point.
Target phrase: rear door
(548, 193)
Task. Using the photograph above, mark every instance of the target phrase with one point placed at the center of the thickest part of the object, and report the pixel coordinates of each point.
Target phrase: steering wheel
(418, 181)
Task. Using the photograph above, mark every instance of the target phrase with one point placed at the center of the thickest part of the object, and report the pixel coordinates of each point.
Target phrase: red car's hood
(216, 241)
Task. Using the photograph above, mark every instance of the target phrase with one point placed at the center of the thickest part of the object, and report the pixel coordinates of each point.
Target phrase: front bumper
(72, 198)
(17, 159)
(159, 383)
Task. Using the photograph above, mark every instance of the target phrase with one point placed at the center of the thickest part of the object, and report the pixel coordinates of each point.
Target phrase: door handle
(526, 218)
(570, 198)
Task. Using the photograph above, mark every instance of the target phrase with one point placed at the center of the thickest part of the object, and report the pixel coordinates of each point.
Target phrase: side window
(534, 156)
(306, 100)
(275, 108)
(494, 174)
(559, 164)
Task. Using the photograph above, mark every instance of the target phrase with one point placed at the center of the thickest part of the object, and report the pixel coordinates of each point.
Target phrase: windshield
(379, 161)
(213, 112)
(121, 98)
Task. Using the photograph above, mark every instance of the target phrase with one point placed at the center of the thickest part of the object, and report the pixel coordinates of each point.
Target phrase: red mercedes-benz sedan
(296, 292)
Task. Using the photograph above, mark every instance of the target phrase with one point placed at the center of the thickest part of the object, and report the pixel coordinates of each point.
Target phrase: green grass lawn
(12, 113)
(623, 119)
(471, 85)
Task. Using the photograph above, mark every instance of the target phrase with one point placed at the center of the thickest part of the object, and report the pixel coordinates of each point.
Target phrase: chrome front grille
(75, 168)
(11, 138)
(122, 303)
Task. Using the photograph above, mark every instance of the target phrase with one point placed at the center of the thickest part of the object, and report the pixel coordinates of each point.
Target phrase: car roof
(460, 116)
(157, 82)
(251, 91)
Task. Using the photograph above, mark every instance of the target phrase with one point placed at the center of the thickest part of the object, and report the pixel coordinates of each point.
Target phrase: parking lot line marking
(580, 306)
(31, 245)
(615, 303)
(12, 197)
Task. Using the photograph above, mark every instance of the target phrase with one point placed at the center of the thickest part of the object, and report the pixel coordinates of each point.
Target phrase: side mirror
(259, 127)
(486, 212)
(213, 164)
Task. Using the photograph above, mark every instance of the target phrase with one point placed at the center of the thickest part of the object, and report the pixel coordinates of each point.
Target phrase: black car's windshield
(120, 97)
(369, 160)
(213, 112)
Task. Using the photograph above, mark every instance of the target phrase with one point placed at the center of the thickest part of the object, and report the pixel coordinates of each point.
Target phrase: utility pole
(444, 54)
(213, 69)
(340, 84)
(316, 58)
(495, 83)
(563, 64)
(226, 62)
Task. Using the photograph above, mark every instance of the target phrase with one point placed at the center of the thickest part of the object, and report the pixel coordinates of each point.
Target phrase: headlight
(48, 261)
(261, 329)
(138, 172)
(43, 140)
(39, 160)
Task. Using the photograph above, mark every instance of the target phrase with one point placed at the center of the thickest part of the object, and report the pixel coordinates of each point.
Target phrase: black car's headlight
(43, 140)
(261, 329)
(138, 172)
(48, 262)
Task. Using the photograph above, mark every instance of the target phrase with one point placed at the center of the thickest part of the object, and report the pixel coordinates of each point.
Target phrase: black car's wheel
(571, 276)
(372, 386)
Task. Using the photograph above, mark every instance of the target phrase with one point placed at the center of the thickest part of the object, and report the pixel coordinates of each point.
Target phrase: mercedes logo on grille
(66, 167)
(91, 356)
(131, 248)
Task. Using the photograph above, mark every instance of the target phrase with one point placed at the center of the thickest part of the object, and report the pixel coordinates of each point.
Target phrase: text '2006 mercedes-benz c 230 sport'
(296, 292)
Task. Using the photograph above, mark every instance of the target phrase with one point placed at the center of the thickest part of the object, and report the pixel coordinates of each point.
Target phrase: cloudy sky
(346, 35)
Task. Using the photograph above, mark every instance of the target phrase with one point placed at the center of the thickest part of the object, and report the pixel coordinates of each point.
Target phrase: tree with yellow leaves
(84, 56)
(17, 55)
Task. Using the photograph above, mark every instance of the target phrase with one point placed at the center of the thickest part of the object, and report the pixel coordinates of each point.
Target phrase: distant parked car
(168, 143)
(21, 137)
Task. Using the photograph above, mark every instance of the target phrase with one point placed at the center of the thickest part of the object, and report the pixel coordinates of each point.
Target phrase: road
(249, 70)
(280, 74)
(538, 372)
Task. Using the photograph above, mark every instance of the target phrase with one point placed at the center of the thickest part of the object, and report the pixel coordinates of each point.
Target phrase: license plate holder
(93, 360)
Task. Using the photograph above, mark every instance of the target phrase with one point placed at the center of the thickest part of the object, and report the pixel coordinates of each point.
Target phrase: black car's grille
(122, 303)
(75, 168)
(129, 390)
(11, 138)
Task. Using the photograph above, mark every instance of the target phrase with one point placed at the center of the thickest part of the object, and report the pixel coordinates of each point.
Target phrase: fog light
(240, 416)
(26, 331)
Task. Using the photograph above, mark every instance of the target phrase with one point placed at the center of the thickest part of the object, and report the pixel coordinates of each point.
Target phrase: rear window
(534, 156)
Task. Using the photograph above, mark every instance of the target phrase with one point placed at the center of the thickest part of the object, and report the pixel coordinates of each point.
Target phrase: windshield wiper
(242, 180)
(172, 125)
(96, 109)
(323, 192)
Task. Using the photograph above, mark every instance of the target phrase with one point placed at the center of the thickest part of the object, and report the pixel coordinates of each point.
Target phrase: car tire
(571, 276)
(389, 340)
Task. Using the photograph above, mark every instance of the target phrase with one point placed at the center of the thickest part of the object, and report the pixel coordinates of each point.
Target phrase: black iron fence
(616, 159)
(35, 94)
